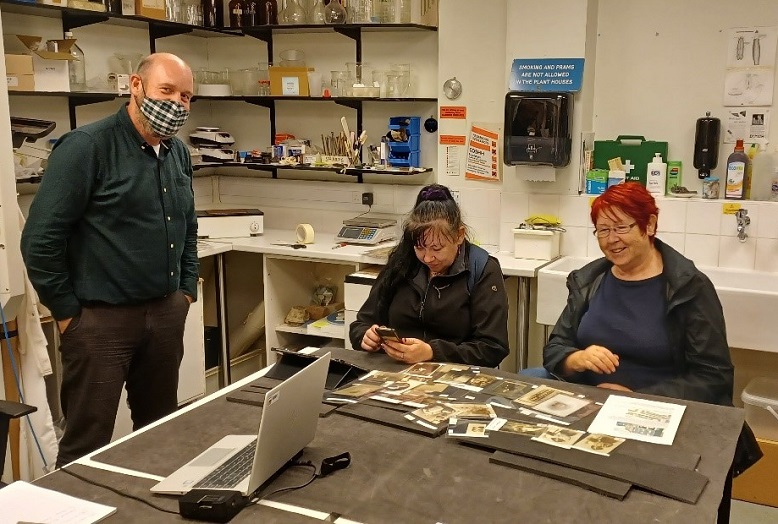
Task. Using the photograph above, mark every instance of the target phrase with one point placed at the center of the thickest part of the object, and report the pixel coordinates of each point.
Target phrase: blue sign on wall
(546, 74)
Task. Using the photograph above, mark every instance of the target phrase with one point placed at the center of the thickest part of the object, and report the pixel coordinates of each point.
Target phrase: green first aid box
(635, 151)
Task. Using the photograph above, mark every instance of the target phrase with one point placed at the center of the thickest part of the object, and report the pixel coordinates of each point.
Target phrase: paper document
(638, 419)
(24, 502)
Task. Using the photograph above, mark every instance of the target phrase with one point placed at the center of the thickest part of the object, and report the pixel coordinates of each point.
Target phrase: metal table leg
(522, 323)
(221, 310)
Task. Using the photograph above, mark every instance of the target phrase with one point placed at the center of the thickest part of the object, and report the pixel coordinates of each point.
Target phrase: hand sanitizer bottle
(656, 176)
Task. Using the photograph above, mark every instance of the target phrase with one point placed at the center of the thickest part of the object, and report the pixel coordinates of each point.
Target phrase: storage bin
(535, 244)
(411, 145)
(400, 159)
(411, 124)
(760, 398)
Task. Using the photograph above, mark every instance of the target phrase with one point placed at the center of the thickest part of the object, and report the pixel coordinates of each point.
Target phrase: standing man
(110, 246)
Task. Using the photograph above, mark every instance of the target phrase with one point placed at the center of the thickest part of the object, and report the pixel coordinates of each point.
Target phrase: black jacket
(695, 321)
(461, 326)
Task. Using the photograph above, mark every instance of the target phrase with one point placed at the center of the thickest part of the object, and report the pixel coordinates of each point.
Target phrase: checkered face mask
(166, 117)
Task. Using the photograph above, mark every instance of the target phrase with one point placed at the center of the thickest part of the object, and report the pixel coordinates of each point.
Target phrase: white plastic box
(760, 398)
(536, 244)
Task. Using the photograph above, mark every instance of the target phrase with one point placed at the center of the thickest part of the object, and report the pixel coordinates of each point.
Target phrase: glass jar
(386, 11)
(362, 12)
(404, 82)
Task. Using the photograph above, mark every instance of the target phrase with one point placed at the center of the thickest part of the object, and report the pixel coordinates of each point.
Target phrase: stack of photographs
(431, 393)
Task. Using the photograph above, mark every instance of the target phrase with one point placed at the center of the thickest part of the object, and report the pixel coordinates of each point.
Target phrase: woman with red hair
(643, 318)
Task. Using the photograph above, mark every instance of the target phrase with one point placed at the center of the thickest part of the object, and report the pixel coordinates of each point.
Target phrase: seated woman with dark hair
(643, 318)
(443, 295)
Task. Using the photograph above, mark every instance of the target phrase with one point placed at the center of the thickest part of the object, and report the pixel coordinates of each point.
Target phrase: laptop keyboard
(232, 472)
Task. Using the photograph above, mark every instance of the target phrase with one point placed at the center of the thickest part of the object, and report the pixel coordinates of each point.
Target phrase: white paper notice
(638, 419)
(751, 125)
(750, 74)
(23, 502)
(453, 163)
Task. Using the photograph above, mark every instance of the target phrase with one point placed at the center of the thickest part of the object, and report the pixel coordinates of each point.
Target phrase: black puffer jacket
(461, 326)
(695, 321)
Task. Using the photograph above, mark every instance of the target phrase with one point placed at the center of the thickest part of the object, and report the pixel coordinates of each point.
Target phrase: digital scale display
(358, 233)
(371, 235)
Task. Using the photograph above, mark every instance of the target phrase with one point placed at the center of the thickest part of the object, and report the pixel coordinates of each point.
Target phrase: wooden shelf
(303, 330)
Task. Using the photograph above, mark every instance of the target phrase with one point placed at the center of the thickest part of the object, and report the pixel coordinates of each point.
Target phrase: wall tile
(506, 236)
(768, 220)
(766, 255)
(675, 240)
(736, 254)
(703, 218)
(543, 204)
(480, 202)
(672, 215)
(592, 246)
(702, 249)
(574, 241)
(574, 210)
(514, 207)
(484, 230)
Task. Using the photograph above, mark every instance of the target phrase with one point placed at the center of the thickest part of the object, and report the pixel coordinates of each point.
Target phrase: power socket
(367, 199)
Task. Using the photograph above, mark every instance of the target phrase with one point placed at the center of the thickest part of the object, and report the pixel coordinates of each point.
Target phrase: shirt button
(171, 273)
(168, 219)
(164, 189)
(171, 246)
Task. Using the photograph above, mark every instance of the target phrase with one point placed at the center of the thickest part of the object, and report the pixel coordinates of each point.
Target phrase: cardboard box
(757, 483)
(128, 7)
(150, 8)
(429, 12)
(289, 81)
(50, 68)
(19, 73)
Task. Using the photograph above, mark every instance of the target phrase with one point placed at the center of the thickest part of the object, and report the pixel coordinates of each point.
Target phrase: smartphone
(388, 333)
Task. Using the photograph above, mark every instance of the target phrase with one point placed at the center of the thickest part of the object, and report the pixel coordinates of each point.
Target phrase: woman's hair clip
(434, 193)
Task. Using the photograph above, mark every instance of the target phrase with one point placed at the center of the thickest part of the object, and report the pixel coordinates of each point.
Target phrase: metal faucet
(742, 221)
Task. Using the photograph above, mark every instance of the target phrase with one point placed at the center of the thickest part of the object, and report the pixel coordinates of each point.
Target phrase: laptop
(243, 463)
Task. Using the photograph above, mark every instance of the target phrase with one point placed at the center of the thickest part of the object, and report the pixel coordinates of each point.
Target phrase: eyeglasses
(622, 229)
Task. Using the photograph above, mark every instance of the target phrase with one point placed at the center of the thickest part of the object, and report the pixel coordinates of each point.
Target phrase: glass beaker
(359, 72)
(393, 84)
(386, 11)
(292, 58)
(404, 70)
(379, 81)
(362, 12)
(263, 79)
(339, 81)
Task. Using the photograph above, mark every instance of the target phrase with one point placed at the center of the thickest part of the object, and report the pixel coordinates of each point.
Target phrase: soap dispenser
(656, 176)
(706, 144)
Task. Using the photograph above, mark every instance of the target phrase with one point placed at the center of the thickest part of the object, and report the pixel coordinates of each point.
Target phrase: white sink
(749, 300)
(552, 287)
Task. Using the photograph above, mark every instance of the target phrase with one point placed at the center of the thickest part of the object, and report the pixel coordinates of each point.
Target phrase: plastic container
(711, 188)
(762, 171)
(76, 67)
(535, 244)
(656, 176)
(760, 399)
(737, 181)
(674, 174)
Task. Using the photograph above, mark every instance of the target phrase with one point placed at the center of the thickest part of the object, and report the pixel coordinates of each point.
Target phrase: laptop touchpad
(211, 457)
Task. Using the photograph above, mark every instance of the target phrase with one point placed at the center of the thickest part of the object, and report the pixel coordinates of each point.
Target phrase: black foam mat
(617, 489)
(677, 483)
(256, 397)
(391, 418)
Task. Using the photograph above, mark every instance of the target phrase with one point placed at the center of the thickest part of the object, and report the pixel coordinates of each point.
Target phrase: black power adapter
(367, 199)
(211, 505)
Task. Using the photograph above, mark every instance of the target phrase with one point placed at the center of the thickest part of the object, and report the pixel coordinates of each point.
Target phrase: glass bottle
(76, 67)
(335, 13)
(319, 13)
(213, 13)
(250, 14)
(293, 14)
(268, 12)
(237, 8)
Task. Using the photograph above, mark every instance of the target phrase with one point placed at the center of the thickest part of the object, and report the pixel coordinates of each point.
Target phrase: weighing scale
(369, 231)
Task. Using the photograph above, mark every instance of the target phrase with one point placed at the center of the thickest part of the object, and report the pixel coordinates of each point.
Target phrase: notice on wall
(546, 74)
(751, 125)
(483, 155)
(750, 74)
(453, 162)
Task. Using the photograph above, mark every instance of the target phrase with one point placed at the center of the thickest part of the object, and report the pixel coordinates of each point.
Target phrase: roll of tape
(304, 233)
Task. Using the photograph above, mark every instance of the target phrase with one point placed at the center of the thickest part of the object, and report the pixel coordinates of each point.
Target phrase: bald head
(160, 60)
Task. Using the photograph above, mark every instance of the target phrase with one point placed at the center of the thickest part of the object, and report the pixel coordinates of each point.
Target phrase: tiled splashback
(697, 228)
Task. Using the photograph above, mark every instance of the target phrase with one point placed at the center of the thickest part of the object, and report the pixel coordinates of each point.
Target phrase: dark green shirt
(112, 222)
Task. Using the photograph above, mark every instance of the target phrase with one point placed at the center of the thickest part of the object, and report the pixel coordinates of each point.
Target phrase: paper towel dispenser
(537, 128)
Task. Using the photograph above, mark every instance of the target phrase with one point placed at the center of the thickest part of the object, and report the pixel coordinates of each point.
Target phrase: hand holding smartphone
(388, 333)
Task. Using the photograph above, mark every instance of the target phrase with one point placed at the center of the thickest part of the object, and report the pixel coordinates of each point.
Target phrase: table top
(322, 249)
(398, 476)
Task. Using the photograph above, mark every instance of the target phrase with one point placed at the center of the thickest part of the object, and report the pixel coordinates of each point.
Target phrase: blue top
(629, 318)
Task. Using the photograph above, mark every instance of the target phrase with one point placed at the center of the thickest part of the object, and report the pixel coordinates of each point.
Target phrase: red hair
(632, 198)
